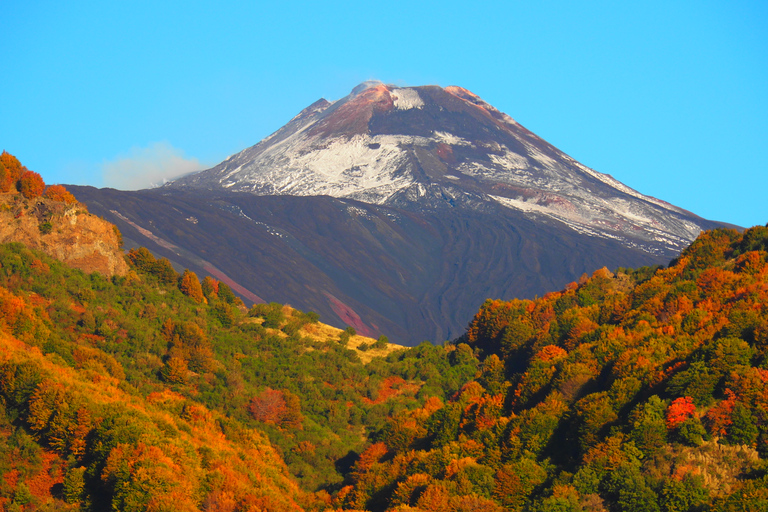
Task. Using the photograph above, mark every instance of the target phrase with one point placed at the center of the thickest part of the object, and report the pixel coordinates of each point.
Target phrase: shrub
(45, 227)
(381, 342)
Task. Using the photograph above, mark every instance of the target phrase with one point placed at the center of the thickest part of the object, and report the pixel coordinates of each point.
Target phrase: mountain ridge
(429, 147)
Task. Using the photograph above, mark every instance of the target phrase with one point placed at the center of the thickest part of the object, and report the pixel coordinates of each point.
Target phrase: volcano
(430, 148)
(398, 211)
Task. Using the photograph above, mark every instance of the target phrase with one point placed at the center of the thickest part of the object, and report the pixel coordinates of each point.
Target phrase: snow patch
(510, 160)
(406, 99)
(451, 139)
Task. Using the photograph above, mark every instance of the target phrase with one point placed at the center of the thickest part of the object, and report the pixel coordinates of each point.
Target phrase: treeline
(15, 177)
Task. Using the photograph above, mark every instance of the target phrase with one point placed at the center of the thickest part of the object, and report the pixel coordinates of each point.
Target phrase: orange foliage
(752, 262)
(276, 407)
(433, 499)
(473, 503)
(175, 370)
(370, 456)
(79, 431)
(549, 353)
(408, 491)
(10, 307)
(715, 281)
(492, 318)
(679, 410)
(483, 413)
(391, 387)
(40, 267)
(11, 478)
(582, 327)
(719, 417)
(138, 469)
(59, 193)
(190, 286)
(664, 374)
(50, 475)
(433, 404)
(10, 171)
(31, 184)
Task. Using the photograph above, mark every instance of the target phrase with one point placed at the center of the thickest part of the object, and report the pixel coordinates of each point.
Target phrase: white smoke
(148, 167)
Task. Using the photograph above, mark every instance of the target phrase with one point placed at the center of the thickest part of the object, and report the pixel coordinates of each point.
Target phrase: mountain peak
(432, 147)
(365, 85)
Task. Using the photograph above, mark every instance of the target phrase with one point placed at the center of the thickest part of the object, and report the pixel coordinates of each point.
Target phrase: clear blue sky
(670, 98)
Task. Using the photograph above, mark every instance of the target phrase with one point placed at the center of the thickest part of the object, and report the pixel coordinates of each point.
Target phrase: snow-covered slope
(429, 148)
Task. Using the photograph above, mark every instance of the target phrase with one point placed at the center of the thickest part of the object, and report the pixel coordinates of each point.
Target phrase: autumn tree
(10, 171)
(516, 480)
(31, 184)
(59, 193)
(679, 411)
(188, 343)
(190, 286)
(278, 407)
(210, 288)
(719, 418)
(175, 370)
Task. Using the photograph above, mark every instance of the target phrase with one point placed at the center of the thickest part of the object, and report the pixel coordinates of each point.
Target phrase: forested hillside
(630, 390)
(154, 390)
(637, 390)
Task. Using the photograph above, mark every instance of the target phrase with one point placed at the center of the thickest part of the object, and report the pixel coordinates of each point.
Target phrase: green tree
(743, 430)
(629, 490)
(649, 431)
(683, 495)
(74, 484)
(226, 294)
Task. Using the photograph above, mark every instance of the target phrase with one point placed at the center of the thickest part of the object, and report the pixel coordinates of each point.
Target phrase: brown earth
(74, 236)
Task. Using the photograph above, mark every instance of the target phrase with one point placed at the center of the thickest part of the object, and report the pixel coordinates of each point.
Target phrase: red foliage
(390, 387)
(277, 407)
(31, 184)
(679, 410)
(719, 417)
(484, 413)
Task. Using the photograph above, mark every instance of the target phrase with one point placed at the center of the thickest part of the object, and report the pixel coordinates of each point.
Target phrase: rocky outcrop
(64, 231)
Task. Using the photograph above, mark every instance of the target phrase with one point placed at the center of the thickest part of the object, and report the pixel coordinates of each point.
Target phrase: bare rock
(64, 231)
